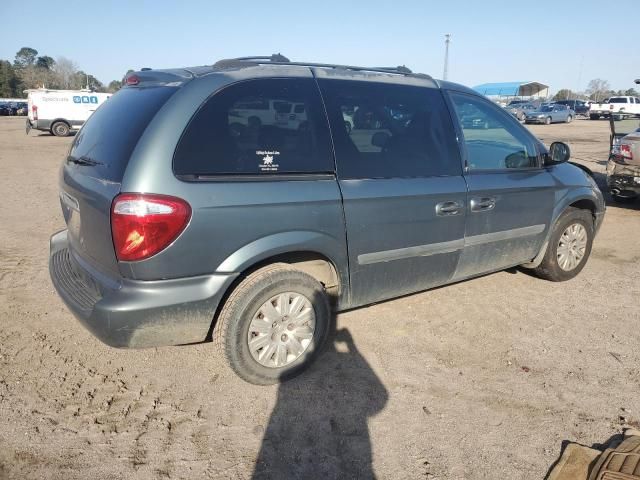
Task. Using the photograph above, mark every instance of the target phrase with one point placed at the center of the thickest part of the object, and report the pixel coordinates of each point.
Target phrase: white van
(60, 111)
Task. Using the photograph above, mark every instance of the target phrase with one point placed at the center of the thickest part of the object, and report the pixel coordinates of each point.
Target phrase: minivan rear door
(92, 173)
(401, 180)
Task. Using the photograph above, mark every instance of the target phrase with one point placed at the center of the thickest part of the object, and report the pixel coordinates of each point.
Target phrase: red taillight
(622, 153)
(145, 224)
(34, 110)
(132, 80)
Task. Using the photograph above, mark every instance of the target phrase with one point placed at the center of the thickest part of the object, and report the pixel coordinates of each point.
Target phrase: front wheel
(273, 324)
(547, 121)
(594, 117)
(569, 246)
(569, 118)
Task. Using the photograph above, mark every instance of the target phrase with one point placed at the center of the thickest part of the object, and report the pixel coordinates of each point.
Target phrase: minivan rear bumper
(133, 313)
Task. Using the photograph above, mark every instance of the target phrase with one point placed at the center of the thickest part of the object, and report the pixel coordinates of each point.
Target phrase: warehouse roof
(511, 89)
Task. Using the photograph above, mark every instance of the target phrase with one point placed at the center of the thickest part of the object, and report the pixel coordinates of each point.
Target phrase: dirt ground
(484, 379)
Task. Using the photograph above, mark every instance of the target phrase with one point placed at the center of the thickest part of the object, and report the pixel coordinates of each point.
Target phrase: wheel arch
(63, 120)
(317, 254)
(582, 202)
(314, 263)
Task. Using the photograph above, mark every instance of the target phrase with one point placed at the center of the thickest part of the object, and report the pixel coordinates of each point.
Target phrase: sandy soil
(482, 379)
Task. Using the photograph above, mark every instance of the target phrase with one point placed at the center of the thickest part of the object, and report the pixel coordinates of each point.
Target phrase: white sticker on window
(268, 164)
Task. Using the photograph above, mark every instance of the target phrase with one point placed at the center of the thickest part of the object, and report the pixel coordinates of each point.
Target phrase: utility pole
(447, 40)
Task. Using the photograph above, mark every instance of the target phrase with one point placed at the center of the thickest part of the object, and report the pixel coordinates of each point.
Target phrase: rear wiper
(83, 160)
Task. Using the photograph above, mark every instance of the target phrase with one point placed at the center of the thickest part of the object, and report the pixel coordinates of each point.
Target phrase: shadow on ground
(318, 428)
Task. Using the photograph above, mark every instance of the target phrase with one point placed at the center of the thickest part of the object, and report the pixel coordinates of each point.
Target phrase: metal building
(513, 89)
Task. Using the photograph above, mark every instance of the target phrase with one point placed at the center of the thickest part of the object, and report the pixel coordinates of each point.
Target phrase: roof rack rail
(276, 57)
(279, 59)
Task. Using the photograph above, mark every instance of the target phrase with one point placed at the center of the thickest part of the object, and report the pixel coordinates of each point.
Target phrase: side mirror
(559, 152)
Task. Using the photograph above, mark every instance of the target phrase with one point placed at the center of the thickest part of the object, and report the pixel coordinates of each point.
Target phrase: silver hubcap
(572, 246)
(281, 330)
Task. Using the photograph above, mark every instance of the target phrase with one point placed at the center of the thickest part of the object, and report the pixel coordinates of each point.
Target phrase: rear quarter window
(257, 127)
(106, 141)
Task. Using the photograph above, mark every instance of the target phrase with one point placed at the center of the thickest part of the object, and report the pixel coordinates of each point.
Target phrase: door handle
(482, 204)
(447, 209)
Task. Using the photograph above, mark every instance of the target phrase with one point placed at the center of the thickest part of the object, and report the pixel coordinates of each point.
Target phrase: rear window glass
(618, 100)
(257, 127)
(107, 139)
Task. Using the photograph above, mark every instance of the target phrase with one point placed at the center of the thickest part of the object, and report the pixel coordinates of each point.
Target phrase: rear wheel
(60, 129)
(547, 121)
(569, 118)
(273, 324)
(594, 117)
(569, 246)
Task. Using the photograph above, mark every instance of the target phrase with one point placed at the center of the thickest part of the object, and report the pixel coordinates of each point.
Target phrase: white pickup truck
(629, 105)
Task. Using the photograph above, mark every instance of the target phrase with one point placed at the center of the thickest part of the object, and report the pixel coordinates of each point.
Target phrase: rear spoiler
(155, 78)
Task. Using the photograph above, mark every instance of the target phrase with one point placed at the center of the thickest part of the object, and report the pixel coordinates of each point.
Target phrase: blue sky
(492, 41)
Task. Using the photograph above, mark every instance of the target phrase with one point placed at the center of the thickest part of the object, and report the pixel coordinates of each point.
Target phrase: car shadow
(318, 427)
(49, 135)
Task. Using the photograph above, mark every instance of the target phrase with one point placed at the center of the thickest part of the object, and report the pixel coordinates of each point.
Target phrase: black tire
(623, 199)
(594, 117)
(550, 269)
(569, 118)
(232, 328)
(60, 129)
(522, 117)
(547, 121)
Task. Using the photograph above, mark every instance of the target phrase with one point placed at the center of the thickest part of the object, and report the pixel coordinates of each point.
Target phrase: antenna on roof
(447, 40)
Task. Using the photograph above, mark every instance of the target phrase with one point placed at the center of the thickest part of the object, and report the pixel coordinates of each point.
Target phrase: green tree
(631, 92)
(25, 57)
(84, 80)
(564, 94)
(45, 62)
(114, 86)
(9, 81)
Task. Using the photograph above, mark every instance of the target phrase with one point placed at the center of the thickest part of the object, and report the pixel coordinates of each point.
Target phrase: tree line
(597, 90)
(30, 70)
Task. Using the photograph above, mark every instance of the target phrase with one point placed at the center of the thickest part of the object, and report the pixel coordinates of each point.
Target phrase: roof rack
(278, 59)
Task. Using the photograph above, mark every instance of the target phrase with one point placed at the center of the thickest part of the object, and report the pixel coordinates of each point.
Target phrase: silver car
(552, 113)
(520, 110)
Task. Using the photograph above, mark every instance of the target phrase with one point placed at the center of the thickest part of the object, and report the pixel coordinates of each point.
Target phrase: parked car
(516, 102)
(550, 113)
(623, 167)
(613, 105)
(579, 106)
(520, 110)
(6, 110)
(22, 108)
(177, 224)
